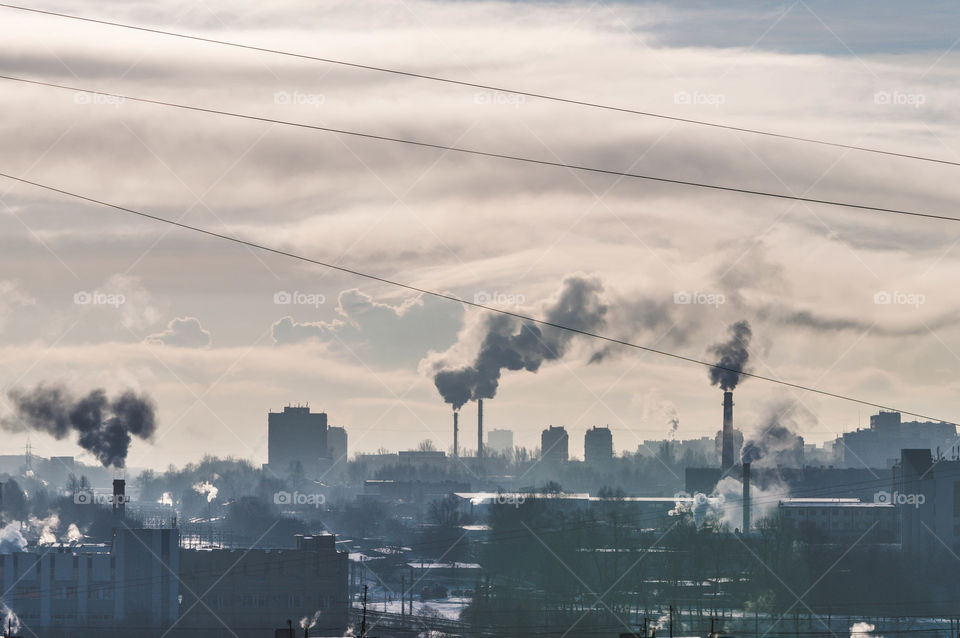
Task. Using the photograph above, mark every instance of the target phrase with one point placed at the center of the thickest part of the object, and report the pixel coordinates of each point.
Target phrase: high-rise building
(880, 445)
(337, 444)
(554, 445)
(296, 435)
(598, 446)
(500, 440)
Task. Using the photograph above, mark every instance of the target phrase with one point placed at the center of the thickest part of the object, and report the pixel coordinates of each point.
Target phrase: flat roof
(830, 502)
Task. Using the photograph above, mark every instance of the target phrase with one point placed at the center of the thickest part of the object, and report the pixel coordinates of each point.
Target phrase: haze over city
(273, 275)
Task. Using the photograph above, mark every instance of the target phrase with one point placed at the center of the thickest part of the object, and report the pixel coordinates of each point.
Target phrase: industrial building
(435, 459)
(247, 593)
(554, 445)
(598, 447)
(841, 520)
(880, 445)
(145, 583)
(294, 436)
(926, 491)
(132, 583)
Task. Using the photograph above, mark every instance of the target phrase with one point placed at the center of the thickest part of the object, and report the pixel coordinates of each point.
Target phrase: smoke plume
(732, 356)
(512, 344)
(11, 539)
(776, 441)
(208, 488)
(11, 622)
(104, 427)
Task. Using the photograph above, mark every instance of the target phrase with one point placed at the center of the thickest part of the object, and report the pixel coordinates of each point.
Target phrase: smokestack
(479, 428)
(119, 500)
(726, 456)
(746, 498)
(456, 431)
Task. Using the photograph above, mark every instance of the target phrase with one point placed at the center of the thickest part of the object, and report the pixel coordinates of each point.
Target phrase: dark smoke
(777, 442)
(510, 344)
(732, 356)
(104, 427)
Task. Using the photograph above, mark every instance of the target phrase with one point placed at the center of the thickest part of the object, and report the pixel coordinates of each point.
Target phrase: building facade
(68, 590)
(294, 436)
(248, 593)
(880, 445)
(554, 445)
(500, 440)
(598, 446)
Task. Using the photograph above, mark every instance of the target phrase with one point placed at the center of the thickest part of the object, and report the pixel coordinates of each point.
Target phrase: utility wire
(477, 152)
(485, 87)
(450, 297)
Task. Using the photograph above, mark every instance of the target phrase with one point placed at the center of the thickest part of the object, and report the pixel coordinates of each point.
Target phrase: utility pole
(363, 623)
(290, 627)
(671, 621)
(403, 591)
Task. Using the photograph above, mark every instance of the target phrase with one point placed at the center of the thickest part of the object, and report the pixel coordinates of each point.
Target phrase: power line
(485, 87)
(450, 297)
(480, 153)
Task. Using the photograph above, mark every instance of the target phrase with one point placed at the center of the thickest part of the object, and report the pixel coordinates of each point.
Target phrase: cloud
(12, 296)
(184, 332)
(364, 327)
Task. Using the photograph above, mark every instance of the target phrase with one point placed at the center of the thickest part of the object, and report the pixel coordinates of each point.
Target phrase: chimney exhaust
(746, 498)
(479, 428)
(726, 456)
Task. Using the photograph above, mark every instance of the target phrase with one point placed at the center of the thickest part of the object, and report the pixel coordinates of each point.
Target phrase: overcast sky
(92, 297)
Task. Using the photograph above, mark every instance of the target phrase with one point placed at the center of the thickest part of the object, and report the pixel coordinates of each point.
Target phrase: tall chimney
(456, 430)
(726, 456)
(119, 499)
(746, 498)
(479, 428)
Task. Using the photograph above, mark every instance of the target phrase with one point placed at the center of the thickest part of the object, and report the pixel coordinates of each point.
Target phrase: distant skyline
(217, 334)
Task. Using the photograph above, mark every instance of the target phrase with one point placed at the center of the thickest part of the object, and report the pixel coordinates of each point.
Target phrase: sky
(218, 334)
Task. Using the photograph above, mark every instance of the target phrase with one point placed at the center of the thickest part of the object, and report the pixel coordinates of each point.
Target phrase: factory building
(434, 459)
(296, 435)
(500, 440)
(880, 445)
(254, 591)
(841, 520)
(598, 447)
(146, 584)
(554, 445)
(926, 492)
(94, 587)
